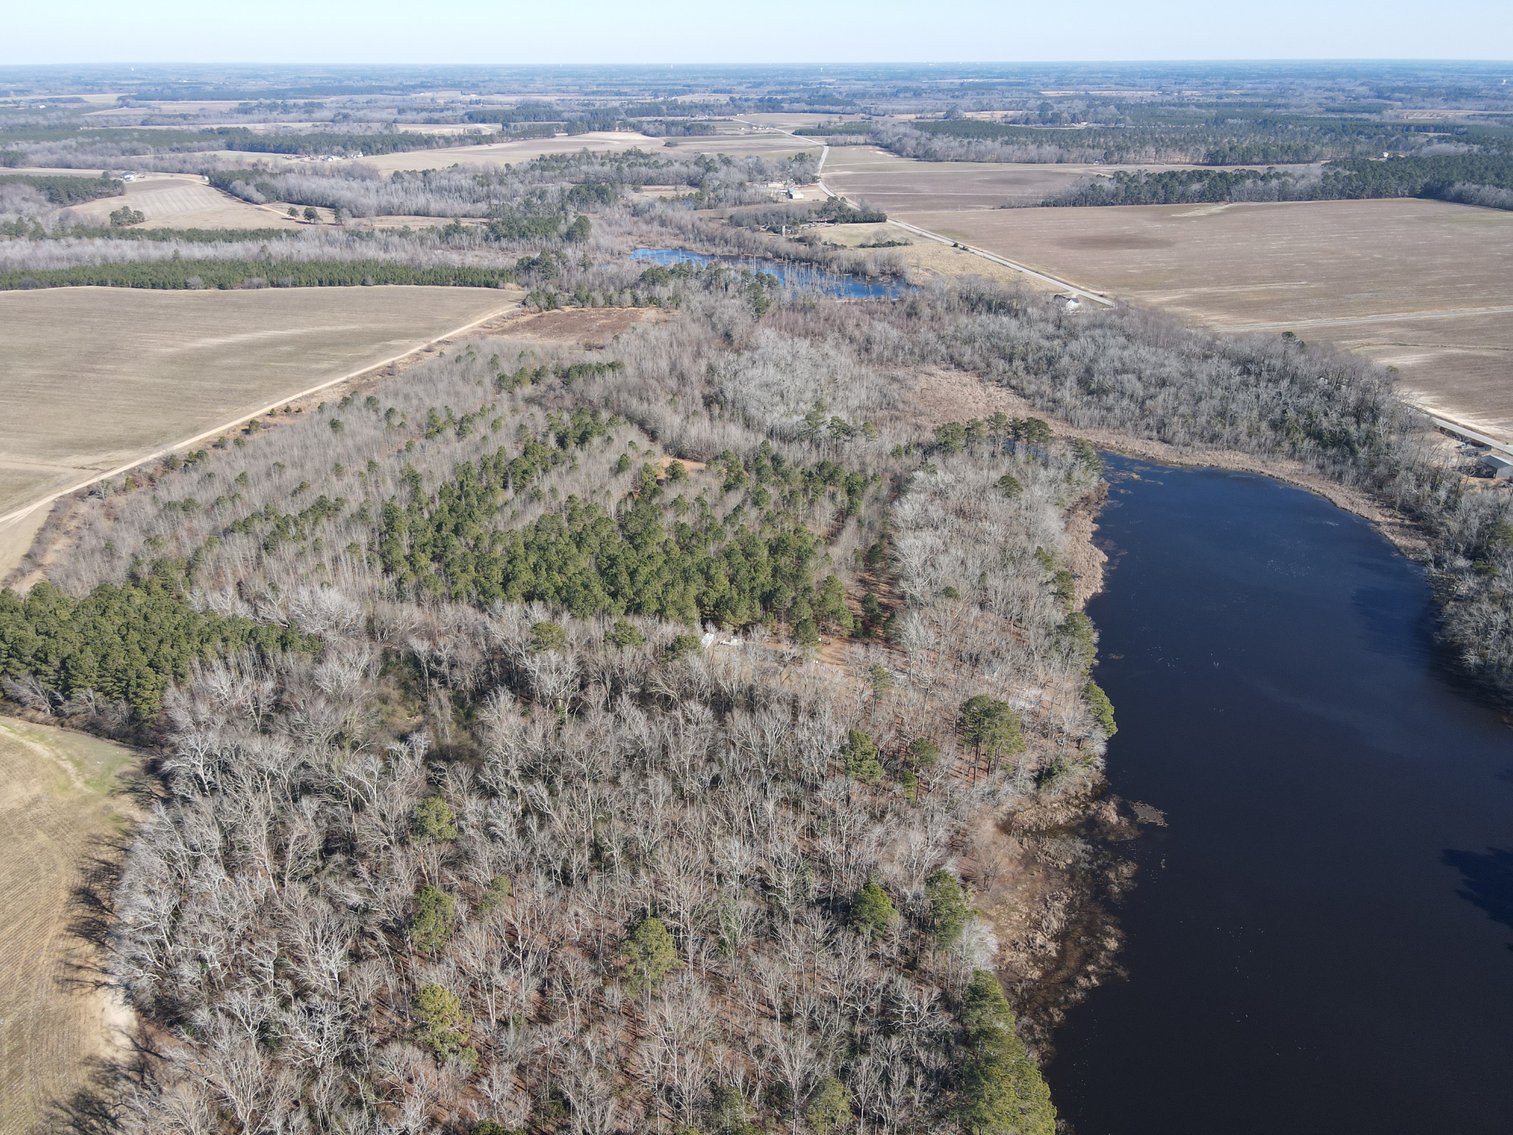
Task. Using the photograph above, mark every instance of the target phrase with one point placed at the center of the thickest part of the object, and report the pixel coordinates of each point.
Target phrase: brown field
(104, 377)
(901, 185)
(754, 144)
(924, 259)
(791, 120)
(500, 153)
(183, 201)
(1424, 286)
(56, 811)
(199, 106)
(587, 327)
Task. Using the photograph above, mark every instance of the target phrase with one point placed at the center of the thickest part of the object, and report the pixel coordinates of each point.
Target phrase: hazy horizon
(779, 32)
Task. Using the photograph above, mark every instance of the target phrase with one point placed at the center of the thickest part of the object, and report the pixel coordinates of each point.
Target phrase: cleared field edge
(1460, 380)
(61, 1013)
(94, 479)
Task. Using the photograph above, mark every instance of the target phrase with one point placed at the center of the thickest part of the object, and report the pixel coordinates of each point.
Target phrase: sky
(761, 31)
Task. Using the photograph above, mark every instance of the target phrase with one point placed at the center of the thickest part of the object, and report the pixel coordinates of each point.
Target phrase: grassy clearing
(101, 377)
(926, 259)
(56, 809)
(183, 201)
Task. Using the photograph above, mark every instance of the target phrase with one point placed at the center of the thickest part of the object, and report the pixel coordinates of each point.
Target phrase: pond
(789, 274)
(1320, 938)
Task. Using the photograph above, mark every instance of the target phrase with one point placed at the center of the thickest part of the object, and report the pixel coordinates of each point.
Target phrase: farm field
(742, 145)
(790, 119)
(183, 201)
(501, 153)
(1424, 286)
(898, 185)
(101, 377)
(56, 808)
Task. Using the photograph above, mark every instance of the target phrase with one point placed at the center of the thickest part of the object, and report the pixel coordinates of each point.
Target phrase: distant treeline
(1475, 178)
(835, 129)
(328, 142)
(537, 119)
(1179, 186)
(1220, 137)
(223, 274)
(65, 189)
(29, 229)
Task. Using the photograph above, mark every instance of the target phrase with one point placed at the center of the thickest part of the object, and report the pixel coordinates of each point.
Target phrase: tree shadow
(92, 901)
(94, 1106)
(1486, 881)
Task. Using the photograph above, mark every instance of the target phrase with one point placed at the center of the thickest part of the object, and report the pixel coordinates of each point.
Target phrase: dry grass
(585, 327)
(56, 811)
(183, 201)
(100, 377)
(1421, 285)
(925, 259)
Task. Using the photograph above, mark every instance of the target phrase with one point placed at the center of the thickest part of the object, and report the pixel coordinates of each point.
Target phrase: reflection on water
(794, 274)
(1319, 938)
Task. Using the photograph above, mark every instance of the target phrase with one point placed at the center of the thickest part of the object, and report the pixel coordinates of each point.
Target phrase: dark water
(788, 275)
(1321, 939)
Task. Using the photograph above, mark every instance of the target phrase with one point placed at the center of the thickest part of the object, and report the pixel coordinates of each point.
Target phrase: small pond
(789, 273)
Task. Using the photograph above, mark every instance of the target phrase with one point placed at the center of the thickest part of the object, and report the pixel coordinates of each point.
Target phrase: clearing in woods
(182, 201)
(100, 378)
(502, 153)
(524, 150)
(57, 816)
(1423, 286)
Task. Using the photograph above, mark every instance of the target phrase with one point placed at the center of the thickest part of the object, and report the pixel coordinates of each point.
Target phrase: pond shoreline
(1266, 659)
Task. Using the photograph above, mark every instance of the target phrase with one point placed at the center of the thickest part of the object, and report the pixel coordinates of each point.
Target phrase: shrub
(626, 633)
(860, 753)
(434, 819)
(435, 919)
(650, 955)
(1100, 707)
(548, 636)
(440, 1023)
(872, 911)
(829, 1109)
(949, 909)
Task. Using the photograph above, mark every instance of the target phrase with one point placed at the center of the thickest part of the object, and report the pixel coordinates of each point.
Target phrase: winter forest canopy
(687, 727)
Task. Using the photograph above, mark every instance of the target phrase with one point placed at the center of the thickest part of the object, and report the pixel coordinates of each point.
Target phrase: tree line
(1474, 178)
(222, 274)
(64, 189)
